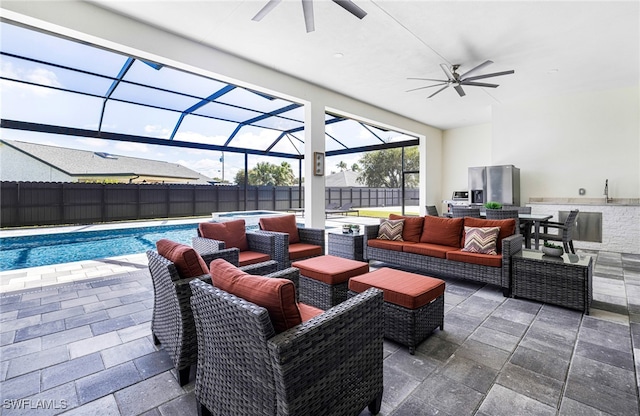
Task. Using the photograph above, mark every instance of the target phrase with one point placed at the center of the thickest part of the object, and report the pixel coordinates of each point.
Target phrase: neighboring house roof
(85, 163)
(342, 179)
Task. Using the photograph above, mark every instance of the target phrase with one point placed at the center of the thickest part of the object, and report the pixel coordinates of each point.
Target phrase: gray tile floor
(85, 348)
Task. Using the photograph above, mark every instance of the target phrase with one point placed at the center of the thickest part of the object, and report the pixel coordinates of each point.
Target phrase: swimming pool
(42, 250)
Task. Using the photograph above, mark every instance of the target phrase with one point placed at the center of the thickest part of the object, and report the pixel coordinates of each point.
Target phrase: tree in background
(355, 167)
(265, 173)
(342, 166)
(383, 168)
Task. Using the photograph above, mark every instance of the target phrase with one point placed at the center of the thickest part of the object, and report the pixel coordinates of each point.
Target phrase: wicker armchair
(311, 242)
(463, 211)
(505, 214)
(329, 365)
(565, 231)
(258, 243)
(172, 322)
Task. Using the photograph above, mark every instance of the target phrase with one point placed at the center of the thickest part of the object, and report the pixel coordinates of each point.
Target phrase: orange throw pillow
(277, 296)
(442, 231)
(412, 227)
(187, 260)
(233, 233)
(283, 224)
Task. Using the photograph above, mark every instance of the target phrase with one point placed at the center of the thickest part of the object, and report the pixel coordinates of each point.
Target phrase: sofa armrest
(510, 246)
(341, 348)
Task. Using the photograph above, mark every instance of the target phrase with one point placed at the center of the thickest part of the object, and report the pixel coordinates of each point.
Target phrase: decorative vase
(553, 251)
(355, 229)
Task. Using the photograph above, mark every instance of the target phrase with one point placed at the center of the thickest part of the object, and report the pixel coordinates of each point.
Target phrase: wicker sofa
(434, 245)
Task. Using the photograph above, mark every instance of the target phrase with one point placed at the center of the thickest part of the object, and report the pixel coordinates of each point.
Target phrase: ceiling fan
(307, 10)
(457, 80)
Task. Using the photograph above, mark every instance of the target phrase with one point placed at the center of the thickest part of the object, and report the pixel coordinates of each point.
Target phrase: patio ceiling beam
(371, 131)
(123, 71)
(373, 147)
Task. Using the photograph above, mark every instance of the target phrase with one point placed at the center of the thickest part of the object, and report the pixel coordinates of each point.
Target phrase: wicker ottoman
(413, 304)
(324, 279)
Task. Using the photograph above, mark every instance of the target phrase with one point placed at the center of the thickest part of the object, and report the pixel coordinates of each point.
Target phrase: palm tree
(342, 166)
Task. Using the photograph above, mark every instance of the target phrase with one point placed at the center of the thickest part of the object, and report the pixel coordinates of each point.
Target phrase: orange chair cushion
(277, 296)
(331, 269)
(443, 231)
(412, 229)
(491, 260)
(302, 250)
(186, 259)
(507, 228)
(252, 257)
(231, 232)
(386, 244)
(402, 288)
(282, 224)
(307, 311)
(431, 250)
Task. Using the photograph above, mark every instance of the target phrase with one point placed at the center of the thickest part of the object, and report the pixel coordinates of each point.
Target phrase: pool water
(42, 250)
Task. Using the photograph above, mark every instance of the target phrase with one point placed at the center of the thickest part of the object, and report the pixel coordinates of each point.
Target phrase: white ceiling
(554, 47)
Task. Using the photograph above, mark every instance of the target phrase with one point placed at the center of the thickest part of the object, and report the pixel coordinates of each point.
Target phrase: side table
(346, 245)
(565, 281)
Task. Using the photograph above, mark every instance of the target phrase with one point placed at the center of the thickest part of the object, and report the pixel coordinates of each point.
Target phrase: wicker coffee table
(563, 281)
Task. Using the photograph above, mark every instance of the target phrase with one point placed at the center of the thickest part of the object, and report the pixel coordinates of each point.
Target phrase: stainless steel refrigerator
(494, 183)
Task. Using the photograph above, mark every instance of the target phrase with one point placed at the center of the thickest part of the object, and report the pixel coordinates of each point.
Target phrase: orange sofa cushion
(475, 258)
(401, 288)
(442, 231)
(431, 250)
(282, 224)
(186, 259)
(252, 257)
(386, 244)
(331, 269)
(277, 296)
(507, 228)
(301, 250)
(412, 229)
(233, 233)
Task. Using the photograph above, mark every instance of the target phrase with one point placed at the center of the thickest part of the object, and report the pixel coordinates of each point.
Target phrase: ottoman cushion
(331, 269)
(402, 288)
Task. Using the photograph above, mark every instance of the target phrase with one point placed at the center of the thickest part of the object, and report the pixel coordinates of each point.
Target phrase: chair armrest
(281, 247)
(232, 255)
(206, 245)
(512, 245)
(261, 269)
(313, 236)
(262, 243)
(339, 348)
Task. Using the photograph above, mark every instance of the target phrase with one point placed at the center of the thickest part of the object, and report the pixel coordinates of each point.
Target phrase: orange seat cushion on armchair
(282, 224)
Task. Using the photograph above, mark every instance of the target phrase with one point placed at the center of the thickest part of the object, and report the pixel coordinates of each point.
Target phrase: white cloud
(132, 148)
(36, 75)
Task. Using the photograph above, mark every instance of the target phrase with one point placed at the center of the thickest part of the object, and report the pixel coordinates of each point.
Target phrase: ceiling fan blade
(447, 71)
(429, 79)
(461, 92)
(482, 65)
(307, 9)
(266, 9)
(428, 86)
(479, 84)
(495, 74)
(351, 7)
(441, 89)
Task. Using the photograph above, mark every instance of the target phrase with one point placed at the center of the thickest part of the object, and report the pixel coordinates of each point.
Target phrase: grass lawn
(378, 213)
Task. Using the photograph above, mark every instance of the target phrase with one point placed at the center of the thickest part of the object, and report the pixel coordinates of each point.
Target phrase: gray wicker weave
(329, 365)
(432, 210)
(410, 327)
(172, 322)
(313, 236)
(504, 214)
(564, 281)
(322, 295)
(443, 268)
(346, 245)
(463, 211)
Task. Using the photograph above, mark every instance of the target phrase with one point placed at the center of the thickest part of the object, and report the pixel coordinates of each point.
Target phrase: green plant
(551, 245)
(493, 205)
